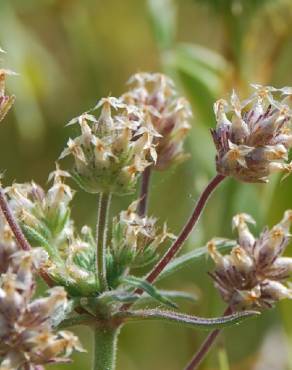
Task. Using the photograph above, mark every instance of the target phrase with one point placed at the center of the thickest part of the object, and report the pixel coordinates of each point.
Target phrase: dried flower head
(112, 150)
(8, 245)
(253, 274)
(45, 220)
(135, 239)
(41, 213)
(6, 101)
(169, 114)
(27, 337)
(253, 137)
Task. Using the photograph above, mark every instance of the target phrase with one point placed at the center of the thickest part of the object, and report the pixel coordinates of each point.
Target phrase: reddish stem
(175, 247)
(171, 252)
(206, 346)
(19, 236)
(12, 222)
(143, 203)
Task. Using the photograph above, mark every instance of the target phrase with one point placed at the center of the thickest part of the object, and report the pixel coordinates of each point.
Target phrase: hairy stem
(144, 192)
(206, 346)
(101, 239)
(187, 229)
(105, 348)
(12, 222)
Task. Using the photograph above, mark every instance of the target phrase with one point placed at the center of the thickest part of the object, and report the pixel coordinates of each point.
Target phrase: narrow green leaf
(223, 359)
(207, 58)
(149, 289)
(83, 319)
(186, 320)
(170, 294)
(164, 27)
(201, 72)
(35, 237)
(194, 256)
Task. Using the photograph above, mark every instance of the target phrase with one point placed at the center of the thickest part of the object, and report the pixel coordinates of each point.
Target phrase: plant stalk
(12, 222)
(144, 192)
(101, 239)
(187, 229)
(105, 348)
(206, 346)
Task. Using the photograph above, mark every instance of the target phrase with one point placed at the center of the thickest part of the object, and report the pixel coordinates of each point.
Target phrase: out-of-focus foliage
(68, 53)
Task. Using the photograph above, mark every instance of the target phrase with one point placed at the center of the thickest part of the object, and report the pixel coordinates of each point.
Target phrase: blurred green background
(69, 53)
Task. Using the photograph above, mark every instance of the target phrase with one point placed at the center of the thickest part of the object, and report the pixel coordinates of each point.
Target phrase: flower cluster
(7, 245)
(6, 101)
(169, 114)
(137, 238)
(27, 336)
(45, 219)
(253, 137)
(111, 149)
(134, 243)
(252, 275)
(41, 213)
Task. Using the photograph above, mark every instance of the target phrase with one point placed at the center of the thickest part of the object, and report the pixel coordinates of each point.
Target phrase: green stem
(105, 348)
(101, 239)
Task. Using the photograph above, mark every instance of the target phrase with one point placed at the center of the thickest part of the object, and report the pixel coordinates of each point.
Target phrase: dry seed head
(137, 236)
(26, 329)
(6, 101)
(112, 149)
(169, 114)
(253, 137)
(253, 274)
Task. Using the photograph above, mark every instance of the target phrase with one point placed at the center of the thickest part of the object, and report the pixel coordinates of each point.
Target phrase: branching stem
(101, 239)
(206, 346)
(105, 348)
(12, 222)
(187, 229)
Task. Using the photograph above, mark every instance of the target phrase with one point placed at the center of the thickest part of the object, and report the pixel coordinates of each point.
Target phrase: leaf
(113, 296)
(164, 27)
(200, 55)
(171, 294)
(83, 319)
(201, 72)
(186, 320)
(194, 256)
(148, 288)
(35, 237)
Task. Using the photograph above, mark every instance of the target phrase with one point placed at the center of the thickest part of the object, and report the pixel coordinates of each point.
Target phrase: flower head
(169, 114)
(253, 274)
(44, 213)
(111, 150)
(135, 239)
(27, 336)
(253, 137)
(45, 220)
(6, 101)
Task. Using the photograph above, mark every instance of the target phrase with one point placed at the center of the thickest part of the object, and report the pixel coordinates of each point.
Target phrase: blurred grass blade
(186, 320)
(163, 21)
(194, 256)
(203, 56)
(136, 282)
(223, 359)
(202, 74)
